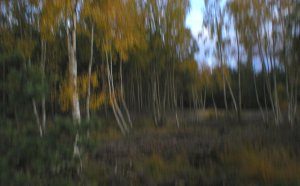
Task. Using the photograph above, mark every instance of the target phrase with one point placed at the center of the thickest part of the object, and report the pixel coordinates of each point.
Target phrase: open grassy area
(206, 153)
(210, 152)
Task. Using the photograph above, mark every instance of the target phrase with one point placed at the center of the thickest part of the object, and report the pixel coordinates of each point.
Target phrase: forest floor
(202, 151)
(210, 152)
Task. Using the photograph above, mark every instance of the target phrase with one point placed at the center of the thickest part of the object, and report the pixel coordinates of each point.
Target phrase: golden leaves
(54, 13)
(65, 96)
(83, 82)
(117, 22)
(97, 100)
(26, 47)
(7, 39)
(49, 19)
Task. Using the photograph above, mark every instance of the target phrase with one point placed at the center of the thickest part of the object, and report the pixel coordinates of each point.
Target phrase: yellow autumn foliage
(97, 100)
(26, 46)
(83, 81)
(65, 95)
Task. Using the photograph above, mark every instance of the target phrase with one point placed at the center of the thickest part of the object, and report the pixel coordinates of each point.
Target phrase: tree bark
(112, 98)
(117, 108)
(257, 98)
(204, 100)
(232, 95)
(71, 40)
(90, 75)
(175, 97)
(239, 77)
(122, 95)
(43, 64)
(37, 117)
(215, 105)
(41, 123)
(224, 89)
(3, 93)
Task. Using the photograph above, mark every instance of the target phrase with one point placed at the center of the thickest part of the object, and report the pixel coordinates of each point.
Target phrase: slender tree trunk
(292, 91)
(141, 91)
(266, 103)
(270, 53)
(295, 98)
(175, 97)
(223, 78)
(181, 102)
(159, 105)
(215, 105)
(155, 109)
(37, 117)
(204, 100)
(122, 96)
(276, 98)
(232, 95)
(41, 124)
(43, 64)
(71, 37)
(3, 93)
(131, 93)
(138, 91)
(117, 108)
(157, 112)
(112, 98)
(224, 90)
(90, 76)
(257, 98)
(267, 87)
(170, 90)
(194, 99)
(105, 86)
(165, 95)
(289, 95)
(239, 77)
(270, 95)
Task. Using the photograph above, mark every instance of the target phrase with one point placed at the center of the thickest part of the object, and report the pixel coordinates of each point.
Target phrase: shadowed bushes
(28, 159)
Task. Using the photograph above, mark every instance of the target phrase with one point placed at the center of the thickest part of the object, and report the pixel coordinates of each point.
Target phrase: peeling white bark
(71, 41)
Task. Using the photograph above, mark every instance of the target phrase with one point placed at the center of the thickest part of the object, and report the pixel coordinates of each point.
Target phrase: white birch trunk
(111, 96)
(232, 95)
(71, 37)
(37, 117)
(114, 96)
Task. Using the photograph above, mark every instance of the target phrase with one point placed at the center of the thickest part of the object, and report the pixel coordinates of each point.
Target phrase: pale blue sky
(206, 43)
(195, 17)
(194, 21)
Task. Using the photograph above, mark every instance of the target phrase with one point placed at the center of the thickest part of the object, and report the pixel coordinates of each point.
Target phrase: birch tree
(215, 20)
(65, 13)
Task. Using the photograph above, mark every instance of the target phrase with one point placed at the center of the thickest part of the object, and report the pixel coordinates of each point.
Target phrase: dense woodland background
(79, 73)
